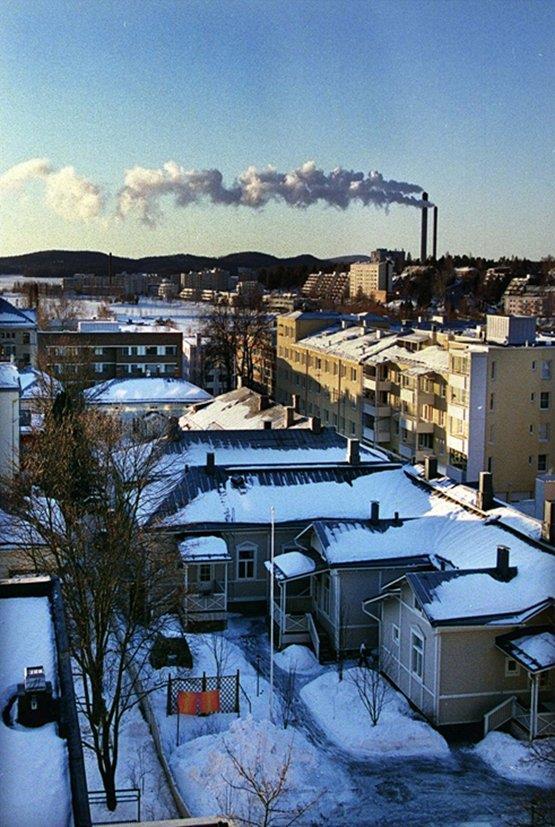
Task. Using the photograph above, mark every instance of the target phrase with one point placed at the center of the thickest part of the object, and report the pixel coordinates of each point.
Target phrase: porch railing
(210, 601)
(500, 714)
(313, 633)
(289, 622)
(545, 721)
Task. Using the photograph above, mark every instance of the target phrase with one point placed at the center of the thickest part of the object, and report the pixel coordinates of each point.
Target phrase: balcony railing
(294, 617)
(213, 600)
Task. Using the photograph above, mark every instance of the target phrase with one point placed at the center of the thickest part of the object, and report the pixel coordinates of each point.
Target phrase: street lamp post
(272, 609)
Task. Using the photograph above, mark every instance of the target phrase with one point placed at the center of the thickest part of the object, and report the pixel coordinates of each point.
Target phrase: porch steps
(327, 654)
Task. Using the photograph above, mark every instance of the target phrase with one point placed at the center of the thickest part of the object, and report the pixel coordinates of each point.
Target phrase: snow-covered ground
(298, 659)
(208, 774)
(337, 708)
(517, 760)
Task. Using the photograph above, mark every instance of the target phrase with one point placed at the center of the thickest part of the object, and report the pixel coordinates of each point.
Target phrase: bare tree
(256, 793)
(288, 695)
(238, 337)
(81, 496)
(372, 690)
(218, 647)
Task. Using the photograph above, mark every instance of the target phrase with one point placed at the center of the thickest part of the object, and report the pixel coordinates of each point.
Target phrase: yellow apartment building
(477, 403)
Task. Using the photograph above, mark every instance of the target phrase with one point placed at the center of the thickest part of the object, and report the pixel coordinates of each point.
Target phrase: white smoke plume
(65, 192)
(143, 188)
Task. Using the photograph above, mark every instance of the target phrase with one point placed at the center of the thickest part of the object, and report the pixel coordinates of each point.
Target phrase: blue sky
(454, 96)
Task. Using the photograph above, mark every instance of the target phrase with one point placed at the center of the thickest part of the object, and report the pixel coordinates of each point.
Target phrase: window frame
(416, 635)
(243, 564)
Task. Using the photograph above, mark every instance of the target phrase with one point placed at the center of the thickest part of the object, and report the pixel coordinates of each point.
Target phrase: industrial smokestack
(110, 268)
(424, 231)
(434, 235)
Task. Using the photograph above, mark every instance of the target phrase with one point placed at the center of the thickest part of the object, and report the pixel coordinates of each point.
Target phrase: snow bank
(203, 770)
(297, 658)
(337, 709)
(516, 760)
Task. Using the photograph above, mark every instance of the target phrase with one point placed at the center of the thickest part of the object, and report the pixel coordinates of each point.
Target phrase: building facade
(419, 392)
(18, 335)
(108, 350)
(370, 279)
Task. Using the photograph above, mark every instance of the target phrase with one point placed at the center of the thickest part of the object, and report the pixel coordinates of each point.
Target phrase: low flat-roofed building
(42, 767)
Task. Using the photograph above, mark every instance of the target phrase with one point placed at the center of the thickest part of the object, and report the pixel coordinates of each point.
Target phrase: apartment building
(9, 420)
(18, 334)
(522, 299)
(371, 279)
(476, 402)
(205, 284)
(501, 406)
(332, 287)
(108, 350)
(319, 363)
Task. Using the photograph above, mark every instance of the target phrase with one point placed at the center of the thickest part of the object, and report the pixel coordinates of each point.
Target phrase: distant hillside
(67, 262)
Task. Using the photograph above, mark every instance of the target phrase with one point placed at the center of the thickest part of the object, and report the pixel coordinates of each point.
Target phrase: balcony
(375, 383)
(380, 433)
(426, 398)
(415, 425)
(377, 410)
(211, 599)
(407, 395)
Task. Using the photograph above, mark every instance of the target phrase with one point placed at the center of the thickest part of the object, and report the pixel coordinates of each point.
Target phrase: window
(544, 400)
(493, 370)
(491, 401)
(205, 573)
(417, 655)
(542, 462)
(490, 464)
(546, 370)
(543, 432)
(395, 634)
(98, 351)
(246, 556)
(324, 594)
(511, 668)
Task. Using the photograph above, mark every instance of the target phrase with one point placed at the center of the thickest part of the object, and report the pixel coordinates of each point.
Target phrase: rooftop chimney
(238, 381)
(484, 500)
(210, 462)
(424, 231)
(430, 468)
(263, 402)
(374, 512)
(503, 571)
(434, 235)
(353, 452)
(267, 424)
(289, 416)
(295, 402)
(548, 524)
(315, 424)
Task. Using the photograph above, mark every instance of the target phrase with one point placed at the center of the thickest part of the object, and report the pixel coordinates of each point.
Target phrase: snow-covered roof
(8, 376)
(107, 326)
(12, 316)
(200, 549)
(351, 342)
(259, 447)
(35, 776)
(533, 648)
(33, 383)
(147, 390)
(428, 359)
(238, 409)
(291, 564)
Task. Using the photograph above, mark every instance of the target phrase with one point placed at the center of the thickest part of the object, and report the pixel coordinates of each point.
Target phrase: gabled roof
(533, 648)
(204, 549)
(345, 543)
(474, 597)
(238, 409)
(12, 316)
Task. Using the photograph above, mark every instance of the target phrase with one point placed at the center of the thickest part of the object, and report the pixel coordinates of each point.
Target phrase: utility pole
(272, 587)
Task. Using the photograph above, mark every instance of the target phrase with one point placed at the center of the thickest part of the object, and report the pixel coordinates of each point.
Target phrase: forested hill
(67, 262)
